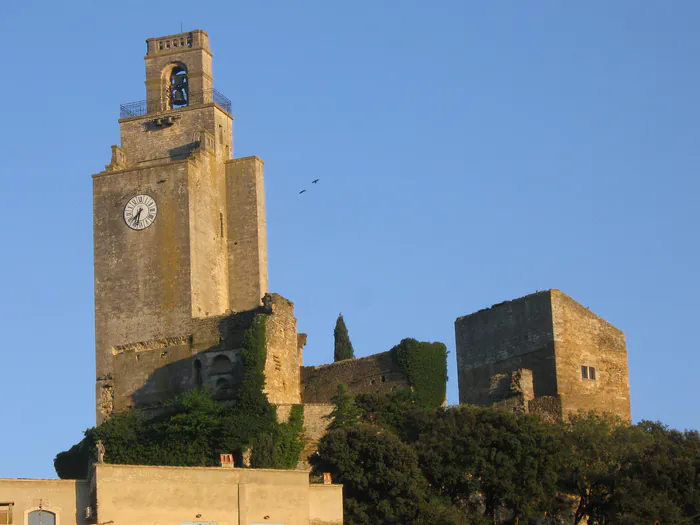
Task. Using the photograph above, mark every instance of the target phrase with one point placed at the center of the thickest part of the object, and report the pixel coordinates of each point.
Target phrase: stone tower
(567, 357)
(179, 224)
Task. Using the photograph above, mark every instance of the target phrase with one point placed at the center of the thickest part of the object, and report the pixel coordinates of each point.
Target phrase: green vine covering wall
(425, 366)
(194, 428)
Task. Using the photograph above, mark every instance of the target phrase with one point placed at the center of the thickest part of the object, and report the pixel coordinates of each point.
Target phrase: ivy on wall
(425, 366)
(193, 428)
(281, 446)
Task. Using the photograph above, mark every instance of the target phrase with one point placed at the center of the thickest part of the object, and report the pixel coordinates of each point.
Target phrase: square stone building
(556, 353)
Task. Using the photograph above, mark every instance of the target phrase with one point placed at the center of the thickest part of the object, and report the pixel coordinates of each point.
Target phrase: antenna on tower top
(180, 26)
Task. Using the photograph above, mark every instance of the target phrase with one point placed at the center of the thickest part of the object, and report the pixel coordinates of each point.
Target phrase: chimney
(327, 479)
(226, 460)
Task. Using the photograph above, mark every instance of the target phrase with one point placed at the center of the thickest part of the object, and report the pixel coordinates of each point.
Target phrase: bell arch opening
(177, 86)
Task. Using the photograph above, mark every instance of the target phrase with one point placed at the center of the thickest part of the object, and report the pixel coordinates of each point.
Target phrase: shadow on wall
(175, 370)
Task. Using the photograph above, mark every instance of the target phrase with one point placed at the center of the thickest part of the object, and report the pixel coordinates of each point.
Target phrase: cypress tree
(343, 346)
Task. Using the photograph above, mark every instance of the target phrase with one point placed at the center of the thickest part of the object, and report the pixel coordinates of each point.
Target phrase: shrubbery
(401, 463)
(193, 428)
(425, 366)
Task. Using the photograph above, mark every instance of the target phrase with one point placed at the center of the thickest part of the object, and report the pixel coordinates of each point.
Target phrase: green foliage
(511, 461)
(382, 481)
(343, 346)
(193, 428)
(396, 410)
(345, 413)
(73, 463)
(631, 474)
(250, 395)
(425, 366)
(483, 465)
(289, 441)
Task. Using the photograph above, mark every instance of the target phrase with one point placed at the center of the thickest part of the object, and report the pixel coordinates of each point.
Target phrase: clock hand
(136, 217)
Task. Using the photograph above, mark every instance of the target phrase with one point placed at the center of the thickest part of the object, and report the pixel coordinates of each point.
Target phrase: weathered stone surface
(316, 422)
(283, 363)
(203, 257)
(375, 373)
(514, 390)
(553, 336)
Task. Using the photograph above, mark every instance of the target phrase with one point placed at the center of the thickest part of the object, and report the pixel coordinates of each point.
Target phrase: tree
(345, 413)
(380, 474)
(343, 346)
(490, 461)
(626, 475)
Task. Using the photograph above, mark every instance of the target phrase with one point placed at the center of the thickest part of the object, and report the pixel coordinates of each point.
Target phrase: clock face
(140, 212)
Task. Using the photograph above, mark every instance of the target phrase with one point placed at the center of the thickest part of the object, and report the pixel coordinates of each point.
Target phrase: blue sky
(468, 153)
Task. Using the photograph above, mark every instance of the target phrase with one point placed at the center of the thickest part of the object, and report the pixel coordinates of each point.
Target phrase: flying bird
(302, 191)
(314, 181)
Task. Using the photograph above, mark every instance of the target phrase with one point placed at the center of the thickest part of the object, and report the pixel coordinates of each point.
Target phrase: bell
(179, 81)
(178, 97)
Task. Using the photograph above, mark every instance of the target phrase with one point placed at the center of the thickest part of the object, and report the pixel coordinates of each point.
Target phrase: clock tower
(179, 224)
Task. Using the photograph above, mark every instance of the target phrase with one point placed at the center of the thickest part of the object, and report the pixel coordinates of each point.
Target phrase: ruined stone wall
(283, 363)
(547, 407)
(146, 373)
(554, 336)
(316, 422)
(501, 339)
(584, 339)
(375, 373)
(513, 391)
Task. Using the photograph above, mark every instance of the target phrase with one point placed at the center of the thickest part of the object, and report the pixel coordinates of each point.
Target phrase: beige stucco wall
(325, 505)
(66, 499)
(141, 495)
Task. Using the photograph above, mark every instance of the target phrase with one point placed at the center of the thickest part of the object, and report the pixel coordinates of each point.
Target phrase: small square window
(591, 373)
(6, 513)
(584, 372)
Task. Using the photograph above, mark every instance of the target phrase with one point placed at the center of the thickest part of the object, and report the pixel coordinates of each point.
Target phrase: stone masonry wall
(316, 422)
(501, 339)
(146, 373)
(247, 237)
(584, 339)
(375, 373)
(554, 336)
(513, 391)
(283, 363)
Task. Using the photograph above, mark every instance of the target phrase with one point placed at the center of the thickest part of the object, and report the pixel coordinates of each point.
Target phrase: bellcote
(178, 71)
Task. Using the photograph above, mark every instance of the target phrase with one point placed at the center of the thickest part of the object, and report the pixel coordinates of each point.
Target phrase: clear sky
(468, 153)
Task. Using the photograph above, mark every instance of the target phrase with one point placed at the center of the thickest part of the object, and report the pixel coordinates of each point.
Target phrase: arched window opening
(221, 365)
(178, 90)
(198, 373)
(41, 517)
(222, 382)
